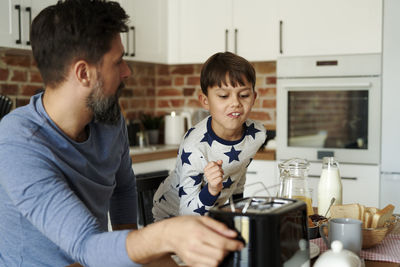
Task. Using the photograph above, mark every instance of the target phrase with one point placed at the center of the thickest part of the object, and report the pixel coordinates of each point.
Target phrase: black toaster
(274, 231)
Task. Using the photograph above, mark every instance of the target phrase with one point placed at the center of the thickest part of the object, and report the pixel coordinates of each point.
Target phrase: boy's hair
(219, 65)
(73, 30)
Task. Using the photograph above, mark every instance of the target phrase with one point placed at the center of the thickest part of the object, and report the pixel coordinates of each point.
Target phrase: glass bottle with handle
(293, 181)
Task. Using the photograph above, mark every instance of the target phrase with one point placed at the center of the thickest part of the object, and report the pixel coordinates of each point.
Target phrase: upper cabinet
(256, 29)
(204, 28)
(248, 28)
(325, 27)
(15, 21)
(147, 37)
(190, 31)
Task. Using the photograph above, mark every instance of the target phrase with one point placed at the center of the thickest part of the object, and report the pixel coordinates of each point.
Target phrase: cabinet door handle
(226, 39)
(236, 35)
(280, 36)
(18, 7)
(133, 41)
(354, 178)
(29, 10)
(349, 178)
(127, 44)
(251, 172)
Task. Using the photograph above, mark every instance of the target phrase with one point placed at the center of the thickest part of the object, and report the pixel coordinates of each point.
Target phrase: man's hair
(219, 65)
(74, 30)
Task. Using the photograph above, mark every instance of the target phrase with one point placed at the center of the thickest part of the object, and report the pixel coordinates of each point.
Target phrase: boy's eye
(244, 95)
(223, 96)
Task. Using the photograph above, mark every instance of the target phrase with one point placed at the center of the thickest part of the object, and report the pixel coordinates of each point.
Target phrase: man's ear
(82, 73)
(203, 99)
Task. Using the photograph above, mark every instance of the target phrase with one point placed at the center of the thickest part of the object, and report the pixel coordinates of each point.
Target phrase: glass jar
(293, 181)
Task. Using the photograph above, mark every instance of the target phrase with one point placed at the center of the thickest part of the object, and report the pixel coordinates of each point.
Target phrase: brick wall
(19, 77)
(153, 88)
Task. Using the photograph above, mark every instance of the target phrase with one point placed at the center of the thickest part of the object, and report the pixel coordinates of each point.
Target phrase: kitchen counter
(158, 152)
(166, 260)
(150, 153)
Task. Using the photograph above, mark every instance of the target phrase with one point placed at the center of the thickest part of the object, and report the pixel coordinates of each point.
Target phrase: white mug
(346, 230)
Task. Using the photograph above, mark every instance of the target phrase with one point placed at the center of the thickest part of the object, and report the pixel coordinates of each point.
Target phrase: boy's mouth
(234, 114)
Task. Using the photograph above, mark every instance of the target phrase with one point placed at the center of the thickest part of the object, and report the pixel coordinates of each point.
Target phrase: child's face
(229, 107)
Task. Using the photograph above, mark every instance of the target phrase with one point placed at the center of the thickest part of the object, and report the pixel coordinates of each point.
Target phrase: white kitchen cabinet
(257, 29)
(148, 32)
(15, 20)
(325, 27)
(202, 29)
(154, 165)
(264, 171)
(360, 183)
(248, 28)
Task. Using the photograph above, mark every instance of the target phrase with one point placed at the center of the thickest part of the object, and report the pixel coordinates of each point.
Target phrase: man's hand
(198, 240)
(215, 175)
(204, 241)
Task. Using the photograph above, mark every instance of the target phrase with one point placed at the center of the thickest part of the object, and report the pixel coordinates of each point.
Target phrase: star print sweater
(185, 190)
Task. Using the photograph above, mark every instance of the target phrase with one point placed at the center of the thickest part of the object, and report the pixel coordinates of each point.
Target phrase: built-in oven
(329, 106)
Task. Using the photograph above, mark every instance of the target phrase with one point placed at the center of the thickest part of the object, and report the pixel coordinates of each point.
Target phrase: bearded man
(65, 163)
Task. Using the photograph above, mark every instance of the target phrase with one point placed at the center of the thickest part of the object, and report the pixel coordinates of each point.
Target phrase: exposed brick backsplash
(19, 77)
(153, 88)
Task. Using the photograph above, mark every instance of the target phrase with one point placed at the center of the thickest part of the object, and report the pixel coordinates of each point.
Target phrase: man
(64, 158)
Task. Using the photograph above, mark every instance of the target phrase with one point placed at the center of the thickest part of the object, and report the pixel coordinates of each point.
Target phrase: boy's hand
(215, 175)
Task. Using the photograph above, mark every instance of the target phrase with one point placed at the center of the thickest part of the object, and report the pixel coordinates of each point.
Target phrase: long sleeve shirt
(185, 190)
(55, 193)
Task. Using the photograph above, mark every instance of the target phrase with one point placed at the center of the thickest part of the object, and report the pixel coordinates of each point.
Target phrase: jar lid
(338, 256)
(294, 163)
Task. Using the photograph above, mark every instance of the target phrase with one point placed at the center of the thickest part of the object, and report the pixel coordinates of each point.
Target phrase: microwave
(329, 106)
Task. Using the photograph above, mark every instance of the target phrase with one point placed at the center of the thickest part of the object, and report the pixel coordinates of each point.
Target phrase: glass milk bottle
(293, 181)
(330, 185)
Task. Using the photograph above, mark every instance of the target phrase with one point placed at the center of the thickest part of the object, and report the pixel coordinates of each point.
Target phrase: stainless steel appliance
(274, 231)
(329, 106)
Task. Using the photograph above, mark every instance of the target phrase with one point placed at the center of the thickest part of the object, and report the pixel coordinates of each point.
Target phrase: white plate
(314, 250)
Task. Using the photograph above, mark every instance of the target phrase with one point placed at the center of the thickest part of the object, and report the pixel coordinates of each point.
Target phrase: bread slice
(352, 211)
(367, 219)
(362, 212)
(381, 216)
(372, 210)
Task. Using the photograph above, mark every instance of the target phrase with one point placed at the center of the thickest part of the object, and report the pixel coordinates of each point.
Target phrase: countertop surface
(158, 152)
(155, 152)
(167, 261)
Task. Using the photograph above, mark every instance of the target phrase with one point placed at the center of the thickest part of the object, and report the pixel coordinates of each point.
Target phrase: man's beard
(105, 109)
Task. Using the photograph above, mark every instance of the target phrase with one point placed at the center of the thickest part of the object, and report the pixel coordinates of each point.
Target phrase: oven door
(338, 117)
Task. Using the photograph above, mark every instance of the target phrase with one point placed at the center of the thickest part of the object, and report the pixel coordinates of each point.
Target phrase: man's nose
(126, 70)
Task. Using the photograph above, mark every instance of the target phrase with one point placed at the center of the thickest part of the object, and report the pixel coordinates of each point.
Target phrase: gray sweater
(55, 192)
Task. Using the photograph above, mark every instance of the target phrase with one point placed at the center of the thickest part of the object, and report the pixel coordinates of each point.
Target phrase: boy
(214, 154)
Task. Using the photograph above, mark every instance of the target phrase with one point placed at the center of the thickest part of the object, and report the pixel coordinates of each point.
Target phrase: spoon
(330, 205)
